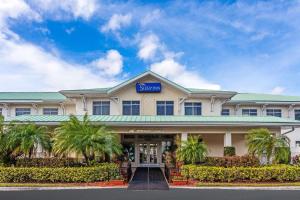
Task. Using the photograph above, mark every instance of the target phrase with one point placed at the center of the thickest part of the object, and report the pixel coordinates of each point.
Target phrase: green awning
(163, 120)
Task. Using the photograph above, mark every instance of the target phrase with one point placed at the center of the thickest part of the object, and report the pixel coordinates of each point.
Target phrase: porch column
(227, 139)
(184, 137)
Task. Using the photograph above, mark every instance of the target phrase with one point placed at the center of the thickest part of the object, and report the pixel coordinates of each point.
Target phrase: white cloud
(150, 17)
(27, 67)
(148, 47)
(111, 65)
(70, 30)
(178, 73)
(84, 9)
(278, 90)
(12, 9)
(151, 49)
(116, 22)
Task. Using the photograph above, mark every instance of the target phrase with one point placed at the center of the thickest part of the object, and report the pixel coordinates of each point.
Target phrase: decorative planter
(179, 182)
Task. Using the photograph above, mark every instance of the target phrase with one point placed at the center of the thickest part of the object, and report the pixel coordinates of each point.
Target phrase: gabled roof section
(263, 98)
(31, 96)
(125, 83)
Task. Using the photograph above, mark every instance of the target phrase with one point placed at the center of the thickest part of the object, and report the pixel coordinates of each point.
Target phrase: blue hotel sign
(148, 87)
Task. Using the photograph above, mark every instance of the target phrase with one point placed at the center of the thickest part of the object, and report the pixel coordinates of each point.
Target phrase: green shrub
(233, 161)
(47, 162)
(62, 175)
(252, 174)
(229, 151)
(282, 155)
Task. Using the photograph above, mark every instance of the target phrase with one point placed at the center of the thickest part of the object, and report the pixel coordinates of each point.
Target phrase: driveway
(172, 194)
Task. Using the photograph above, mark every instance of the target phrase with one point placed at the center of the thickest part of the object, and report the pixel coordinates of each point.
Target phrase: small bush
(251, 174)
(229, 151)
(47, 162)
(101, 172)
(282, 155)
(233, 161)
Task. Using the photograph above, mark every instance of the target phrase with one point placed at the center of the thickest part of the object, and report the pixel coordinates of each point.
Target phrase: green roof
(92, 90)
(148, 120)
(197, 90)
(253, 97)
(31, 96)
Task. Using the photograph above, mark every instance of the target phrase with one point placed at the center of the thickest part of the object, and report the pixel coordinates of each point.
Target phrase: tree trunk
(86, 158)
(106, 157)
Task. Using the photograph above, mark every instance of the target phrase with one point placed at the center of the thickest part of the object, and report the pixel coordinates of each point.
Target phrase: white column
(227, 139)
(184, 137)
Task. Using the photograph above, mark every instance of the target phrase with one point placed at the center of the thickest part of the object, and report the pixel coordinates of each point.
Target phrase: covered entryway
(147, 150)
(148, 178)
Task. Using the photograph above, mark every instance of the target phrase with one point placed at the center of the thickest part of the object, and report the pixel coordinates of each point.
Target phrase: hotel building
(148, 111)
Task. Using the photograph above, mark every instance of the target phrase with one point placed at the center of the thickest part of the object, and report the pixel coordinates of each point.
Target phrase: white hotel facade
(148, 111)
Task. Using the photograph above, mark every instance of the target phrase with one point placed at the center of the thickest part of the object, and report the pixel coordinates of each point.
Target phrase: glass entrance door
(153, 153)
(143, 152)
(148, 153)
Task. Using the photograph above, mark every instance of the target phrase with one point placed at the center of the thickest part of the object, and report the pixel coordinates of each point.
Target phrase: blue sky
(245, 46)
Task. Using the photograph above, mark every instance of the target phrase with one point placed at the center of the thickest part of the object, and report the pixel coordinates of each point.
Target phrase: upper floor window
(297, 114)
(297, 144)
(0, 111)
(131, 107)
(274, 112)
(165, 107)
(101, 107)
(225, 112)
(192, 108)
(23, 111)
(50, 111)
(249, 112)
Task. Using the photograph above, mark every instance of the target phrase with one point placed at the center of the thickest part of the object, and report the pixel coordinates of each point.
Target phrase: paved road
(172, 194)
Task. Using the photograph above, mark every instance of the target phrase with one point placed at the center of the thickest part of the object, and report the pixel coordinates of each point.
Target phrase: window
(0, 111)
(225, 112)
(297, 144)
(101, 107)
(297, 114)
(22, 111)
(131, 107)
(165, 107)
(192, 108)
(249, 112)
(274, 112)
(50, 111)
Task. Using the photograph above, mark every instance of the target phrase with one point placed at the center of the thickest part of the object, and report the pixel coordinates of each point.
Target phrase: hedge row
(47, 162)
(232, 161)
(252, 174)
(63, 175)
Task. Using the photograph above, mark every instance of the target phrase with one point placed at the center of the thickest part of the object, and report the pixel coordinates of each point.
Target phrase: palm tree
(261, 142)
(22, 139)
(2, 140)
(25, 138)
(193, 150)
(83, 138)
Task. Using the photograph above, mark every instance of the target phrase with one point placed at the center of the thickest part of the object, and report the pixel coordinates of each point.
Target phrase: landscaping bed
(272, 173)
(99, 173)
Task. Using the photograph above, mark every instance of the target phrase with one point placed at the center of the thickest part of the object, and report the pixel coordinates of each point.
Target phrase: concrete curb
(58, 188)
(125, 187)
(238, 188)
